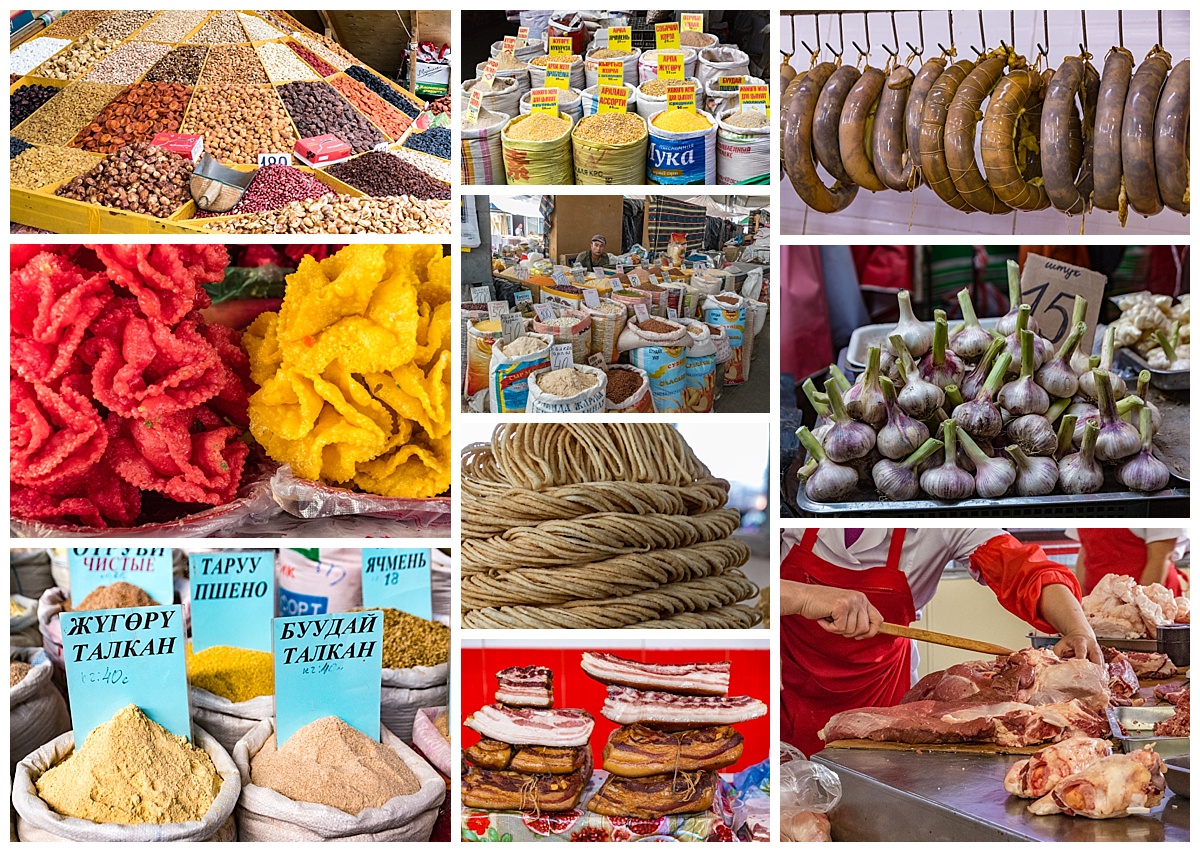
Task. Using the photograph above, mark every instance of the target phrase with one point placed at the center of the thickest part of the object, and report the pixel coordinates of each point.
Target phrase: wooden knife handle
(943, 639)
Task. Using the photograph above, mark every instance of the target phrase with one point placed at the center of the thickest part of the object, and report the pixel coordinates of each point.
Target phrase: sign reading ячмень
(328, 665)
(148, 568)
(233, 599)
(400, 578)
(116, 657)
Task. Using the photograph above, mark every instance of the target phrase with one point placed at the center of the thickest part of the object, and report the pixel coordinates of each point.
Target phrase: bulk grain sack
(659, 347)
(728, 310)
(482, 150)
(610, 149)
(511, 366)
(628, 390)
(608, 321)
(316, 581)
(537, 150)
(683, 148)
(504, 96)
(722, 60)
(590, 99)
(743, 147)
(701, 369)
(416, 669)
(573, 327)
(571, 390)
(37, 712)
(231, 690)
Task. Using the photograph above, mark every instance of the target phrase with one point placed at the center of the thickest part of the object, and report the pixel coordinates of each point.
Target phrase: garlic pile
(976, 413)
(1146, 319)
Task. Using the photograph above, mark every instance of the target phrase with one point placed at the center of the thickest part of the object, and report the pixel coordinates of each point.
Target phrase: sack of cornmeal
(579, 389)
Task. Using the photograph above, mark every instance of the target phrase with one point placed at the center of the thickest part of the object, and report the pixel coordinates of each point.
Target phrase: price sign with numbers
(730, 84)
(672, 314)
(591, 298)
(481, 293)
(233, 599)
(497, 309)
(666, 36)
(558, 74)
(522, 36)
(654, 279)
(596, 359)
(544, 100)
(754, 98)
(612, 99)
(610, 72)
(639, 310)
(400, 578)
(692, 21)
(670, 66)
(560, 46)
(544, 312)
(278, 159)
(1049, 287)
(620, 38)
(562, 355)
(474, 106)
(512, 326)
(681, 97)
(560, 278)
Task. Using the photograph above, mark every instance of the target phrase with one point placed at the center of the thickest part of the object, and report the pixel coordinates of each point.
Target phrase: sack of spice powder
(37, 822)
(37, 712)
(729, 311)
(701, 369)
(511, 365)
(608, 321)
(573, 390)
(628, 390)
(660, 348)
(264, 814)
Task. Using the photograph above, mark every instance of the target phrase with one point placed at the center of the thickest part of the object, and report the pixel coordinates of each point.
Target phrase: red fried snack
(236, 387)
(167, 280)
(95, 498)
(54, 433)
(189, 456)
(53, 303)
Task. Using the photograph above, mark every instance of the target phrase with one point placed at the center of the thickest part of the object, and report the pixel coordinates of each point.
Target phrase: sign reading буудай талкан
(233, 599)
(116, 657)
(148, 568)
(400, 578)
(328, 665)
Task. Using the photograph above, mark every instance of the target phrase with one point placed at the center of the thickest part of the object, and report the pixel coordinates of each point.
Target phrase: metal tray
(866, 336)
(1139, 722)
(1179, 776)
(1163, 379)
(1049, 640)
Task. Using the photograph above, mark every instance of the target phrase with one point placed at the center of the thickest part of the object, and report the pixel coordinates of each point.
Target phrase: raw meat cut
(1114, 786)
(1121, 609)
(1170, 692)
(527, 726)
(1037, 776)
(1122, 679)
(1179, 725)
(1029, 676)
(803, 826)
(955, 683)
(1183, 610)
(625, 706)
(687, 679)
(525, 686)
(1151, 665)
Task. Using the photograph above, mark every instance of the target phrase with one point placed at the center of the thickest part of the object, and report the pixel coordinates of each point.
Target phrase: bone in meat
(1037, 776)
(1114, 786)
(687, 679)
(528, 726)
(1122, 677)
(627, 706)
(525, 686)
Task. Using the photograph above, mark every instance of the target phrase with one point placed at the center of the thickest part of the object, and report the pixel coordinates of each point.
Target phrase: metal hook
(1160, 38)
(864, 54)
(1120, 28)
(1012, 27)
(793, 33)
(1044, 51)
(950, 15)
(1083, 48)
(895, 37)
(982, 37)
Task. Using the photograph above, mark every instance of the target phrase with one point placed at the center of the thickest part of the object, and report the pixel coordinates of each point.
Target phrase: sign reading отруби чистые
(328, 665)
(116, 657)
(148, 568)
(233, 599)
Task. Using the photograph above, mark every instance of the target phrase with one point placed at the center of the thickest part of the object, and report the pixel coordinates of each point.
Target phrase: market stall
(218, 122)
(1069, 396)
(666, 298)
(587, 719)
(176, 390)
(616, 98)
(234, 695)
(1052, 122)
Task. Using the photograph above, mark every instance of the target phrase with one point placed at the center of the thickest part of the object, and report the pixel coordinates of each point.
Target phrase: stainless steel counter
(893, 795)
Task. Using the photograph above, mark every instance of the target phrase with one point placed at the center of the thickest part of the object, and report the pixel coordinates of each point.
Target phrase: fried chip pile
(117, 384)
(354, 371)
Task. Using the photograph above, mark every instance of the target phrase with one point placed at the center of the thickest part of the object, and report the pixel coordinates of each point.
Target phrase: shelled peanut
(135, 115)
(240, 122)
(73, 61)
(233, 63)
(384, 115)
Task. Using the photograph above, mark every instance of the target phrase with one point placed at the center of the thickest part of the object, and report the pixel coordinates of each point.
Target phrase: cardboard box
(322, 150)
(190, 145)
(431, 79)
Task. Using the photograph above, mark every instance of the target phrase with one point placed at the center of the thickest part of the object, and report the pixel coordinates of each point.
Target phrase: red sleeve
(1017, 573)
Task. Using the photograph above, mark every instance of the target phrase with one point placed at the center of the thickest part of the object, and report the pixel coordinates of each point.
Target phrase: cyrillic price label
(148, 568)
(730, 84)
(597, 360)
(612, 99)
(672, 314)
(620, 38)
(639, 310)
(560, 278)
(558, 74)
(610, 72)
(489, 73)
(560, 46)
(681, 97)
(670, 66)
(481, 293)
(523, 297)
(400, 578)
(512, 326)
(510, 45)
(544, 312)
(497, 309)
(754, 97)
(544, 100)
(522, 36)
(591, 297)
(666, 36)
(233, 599)
(474, 106)
(562, 355)
(692, 21)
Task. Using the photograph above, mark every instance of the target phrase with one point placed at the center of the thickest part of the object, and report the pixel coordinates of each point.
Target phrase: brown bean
(1009, 140)
(1137, 133)
(1069, 188)
(798, 147)
(926, 77)
(1171, 128)
(959, 137)
(853, 140)
(1110, 109)
(933, 127)
(827, 120)
(887, 136)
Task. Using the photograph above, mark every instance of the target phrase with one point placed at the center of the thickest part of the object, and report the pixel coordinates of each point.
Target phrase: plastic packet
(808, 791)
(304, 498)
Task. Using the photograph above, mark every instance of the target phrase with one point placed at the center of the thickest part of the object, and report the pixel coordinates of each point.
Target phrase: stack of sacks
(531, 757)
(676, 734)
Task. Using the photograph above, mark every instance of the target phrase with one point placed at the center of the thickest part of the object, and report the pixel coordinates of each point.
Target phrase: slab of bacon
(529, 726)
(525, 686)
(514, 791)
(635, 751)
(687, 679)
(1115, 786)
(651, 798)
(1037, 776)
(627, 706)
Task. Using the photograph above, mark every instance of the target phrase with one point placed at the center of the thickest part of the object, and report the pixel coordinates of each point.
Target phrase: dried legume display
(249, 84)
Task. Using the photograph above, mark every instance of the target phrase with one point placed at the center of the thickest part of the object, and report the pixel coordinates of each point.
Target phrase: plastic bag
(426, 737)
(303, 498)
(808, 791)
(404, 692)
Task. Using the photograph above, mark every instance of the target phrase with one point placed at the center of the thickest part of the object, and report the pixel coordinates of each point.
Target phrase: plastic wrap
(808, 791)
(304, 498)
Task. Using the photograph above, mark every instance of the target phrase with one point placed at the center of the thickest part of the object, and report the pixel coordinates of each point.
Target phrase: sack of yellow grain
(683, 148)
(743, 146)
(652, 97)
(610, 149)
(537, 150)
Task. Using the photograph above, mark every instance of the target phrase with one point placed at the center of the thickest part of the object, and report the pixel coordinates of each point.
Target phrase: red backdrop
(749, 674)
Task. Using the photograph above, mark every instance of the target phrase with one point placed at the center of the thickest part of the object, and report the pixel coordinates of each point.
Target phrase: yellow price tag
(610, 72)
(560, 46)
(730, 84)
(670, 65)
(474, 106)
(558, 74)
(681, 97)
(612, 99)
(620, 38)
(489, 72)
(692, 21)
(666, 36)
(544, 100)
(754, 98)
(522, 36)
(510, 44)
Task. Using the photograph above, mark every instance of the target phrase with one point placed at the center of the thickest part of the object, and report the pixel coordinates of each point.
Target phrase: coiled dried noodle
(598, 525)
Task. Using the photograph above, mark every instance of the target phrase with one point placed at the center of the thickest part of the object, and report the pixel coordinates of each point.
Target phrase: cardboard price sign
(489, 73)
(474, 106)
(597, 360)
(148, 568)
(544, 100)
(560, 278)
(670, 66)
(730, 84)
(1049, 287)
(692, 22)
(558, 74)
(639, 311)
(591, 297)
(620, 38)
(560, 46)
(681, 97)
(233, 599)
(610, 72)
(666, 36)
(513, 326)
(522, 36)
(754, 98)
(612, 99)
(562, 355)
(544, 312)
(497, 309)
(510, 45)
(481, 293)
(115, 657)
(400, 578)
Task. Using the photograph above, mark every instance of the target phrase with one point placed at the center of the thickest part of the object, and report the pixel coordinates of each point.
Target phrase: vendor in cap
(596, 257)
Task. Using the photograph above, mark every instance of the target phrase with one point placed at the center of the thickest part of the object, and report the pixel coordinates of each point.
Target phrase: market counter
(947, 796)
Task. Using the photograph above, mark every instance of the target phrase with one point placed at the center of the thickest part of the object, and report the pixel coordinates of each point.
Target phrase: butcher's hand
(1059, 606)
(1081, 645)
(842, 611)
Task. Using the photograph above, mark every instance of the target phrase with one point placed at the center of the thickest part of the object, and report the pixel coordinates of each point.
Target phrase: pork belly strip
(660, 795)
(687, 679)
(532, 760)
(636, 751)
(525, 686)
(515, 791)
(529, 726)
(627, 706)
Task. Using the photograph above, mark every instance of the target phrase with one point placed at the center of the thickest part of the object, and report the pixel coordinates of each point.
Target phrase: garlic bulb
(941, 366)
(830, 482)
(1117, 439)
(917, 337)
(1008, 323)
(1025, 395)
(980, 417)
(1036, 477)
(1080, 473)
(1143, 391)
(1057, 375)
(948, 481)
(918, 397)
(1033, 434)
(847, 438)
(972, 340)
(1042, 349)
(901, 434)
(899, 480)
(1144, 472)
(1079, 359)
(864, 401)
(977, 375)
(993, 476)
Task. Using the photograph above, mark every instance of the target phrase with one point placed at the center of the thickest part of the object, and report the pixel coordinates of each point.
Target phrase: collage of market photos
(613, 515)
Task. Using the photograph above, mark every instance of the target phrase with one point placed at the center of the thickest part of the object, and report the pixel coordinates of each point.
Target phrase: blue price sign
(148, 568)
(233, 599)
(116, 657)
(328, 665)
(399, 578)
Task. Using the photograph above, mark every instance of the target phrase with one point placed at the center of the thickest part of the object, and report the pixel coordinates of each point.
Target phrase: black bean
(181, 65)
(317, 109)
(16, 146)
(384, 91)
(435, 141)
(378, 173)
(26, 100)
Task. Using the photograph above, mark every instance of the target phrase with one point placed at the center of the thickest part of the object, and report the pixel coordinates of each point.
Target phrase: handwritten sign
(730, 84)
(591, 297)
(666, 36)
(639, 310)
(692, 21)
(754, 98)
(497, 309)
(148, 568)
(481, 293)
(560, 46)
(596, 359)
(612, 99)
(474, 106)
(558, 74)
(522, 273)
(544, 312)
(670, 66)
(328, 665)
(400, 578)
(654, 280)
(233, 599)
(489, 73)
(116, 657)
(1049, 287)
(545, 101)
(681, 97)
(610, 72)
(672, 314)
(560, 278)
(562, 355)
(512, 326)
(620, 38)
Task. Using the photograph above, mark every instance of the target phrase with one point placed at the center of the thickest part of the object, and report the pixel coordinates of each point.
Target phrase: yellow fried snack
(354, 371)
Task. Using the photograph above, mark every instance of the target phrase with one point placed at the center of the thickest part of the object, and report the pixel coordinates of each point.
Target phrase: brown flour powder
(565, 382)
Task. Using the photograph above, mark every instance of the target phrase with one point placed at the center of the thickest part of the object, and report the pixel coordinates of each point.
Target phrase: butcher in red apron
(1143, 554)
(834, 658)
